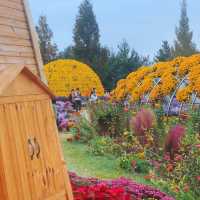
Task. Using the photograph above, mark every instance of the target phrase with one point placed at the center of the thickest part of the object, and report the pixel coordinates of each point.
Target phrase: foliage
(183, 45)
(134, 162)
(193, 125)
(47, 47)
(86, 34)
(86, 130)
(64, 75)
(121, 63)
(100, 146)
(164, 53)
(160, 119)
(111, 120)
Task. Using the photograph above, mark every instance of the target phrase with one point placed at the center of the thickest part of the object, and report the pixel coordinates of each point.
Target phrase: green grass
(79, 160)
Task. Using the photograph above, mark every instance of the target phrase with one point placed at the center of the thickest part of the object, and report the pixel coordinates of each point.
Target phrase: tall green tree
(48, 49)
(183, 45)
(86, 35)
(164, 53)
(121, 63)
(67, 53)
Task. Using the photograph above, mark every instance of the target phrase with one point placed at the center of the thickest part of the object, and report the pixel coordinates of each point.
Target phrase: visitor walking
(77, 100)
(71, 98)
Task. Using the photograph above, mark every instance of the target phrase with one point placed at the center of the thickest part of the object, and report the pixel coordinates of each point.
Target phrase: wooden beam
(34, 39)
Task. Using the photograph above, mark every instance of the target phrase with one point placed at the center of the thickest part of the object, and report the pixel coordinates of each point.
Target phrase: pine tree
(120, 64)
(86, 35)
(164, 53)
(183, 45)
(67, 53)
(47, 47)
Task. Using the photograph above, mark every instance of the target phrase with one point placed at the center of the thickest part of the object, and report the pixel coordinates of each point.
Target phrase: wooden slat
(11, 4)
(13, 22)
(14, 32)
(5, 40)
(17, 60)
(14, 99)
(60, 196)
(18, 1)
(13, 48)
(16, 54)
(12, 14)
(7, 141)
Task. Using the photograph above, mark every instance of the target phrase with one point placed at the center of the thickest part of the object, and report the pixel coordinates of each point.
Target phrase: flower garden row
(165, 151)
(121, 189)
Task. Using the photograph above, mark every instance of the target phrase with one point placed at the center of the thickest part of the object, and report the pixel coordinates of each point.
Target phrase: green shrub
(142, 166)
(193, 125)
(110, 120)
(131, 162)
(86, 130)
(101, 146)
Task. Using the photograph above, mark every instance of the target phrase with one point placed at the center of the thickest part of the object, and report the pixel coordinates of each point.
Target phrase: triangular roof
(9, 73)
(18, 38)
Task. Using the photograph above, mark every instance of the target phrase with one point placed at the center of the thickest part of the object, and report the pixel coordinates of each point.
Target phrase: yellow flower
(141, 155)
(140, 83)
(64, 75)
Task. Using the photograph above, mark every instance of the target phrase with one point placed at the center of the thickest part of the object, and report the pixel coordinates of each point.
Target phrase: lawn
(79, 160)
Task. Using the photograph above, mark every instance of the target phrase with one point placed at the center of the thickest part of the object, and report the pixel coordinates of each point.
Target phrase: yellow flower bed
(64, 75)
(141, 83)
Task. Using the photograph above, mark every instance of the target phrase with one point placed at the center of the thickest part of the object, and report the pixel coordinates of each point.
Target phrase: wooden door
(39, 173)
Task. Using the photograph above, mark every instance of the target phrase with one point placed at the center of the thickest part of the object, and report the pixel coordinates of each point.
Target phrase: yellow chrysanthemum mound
(64, 75)
(180, 75)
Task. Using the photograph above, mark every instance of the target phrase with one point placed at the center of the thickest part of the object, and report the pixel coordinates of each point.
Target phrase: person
(93, 96)
(126, 101)
(71, 98)
(77, 99)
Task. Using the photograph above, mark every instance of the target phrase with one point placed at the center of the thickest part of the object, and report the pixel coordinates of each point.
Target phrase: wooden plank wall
(16, 44)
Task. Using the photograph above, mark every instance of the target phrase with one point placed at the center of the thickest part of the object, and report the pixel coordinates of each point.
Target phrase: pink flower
(178, 157)
(198, 146)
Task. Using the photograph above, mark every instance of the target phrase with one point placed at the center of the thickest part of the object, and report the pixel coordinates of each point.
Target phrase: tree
(86, 35)
(67, 53)
(121, 63)
(47, 47)
(183, 45)
(164, 53)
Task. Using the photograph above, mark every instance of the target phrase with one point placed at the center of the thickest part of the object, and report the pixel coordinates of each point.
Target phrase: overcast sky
(143, 23)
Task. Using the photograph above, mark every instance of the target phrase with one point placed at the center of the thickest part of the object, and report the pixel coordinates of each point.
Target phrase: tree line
(108, 64)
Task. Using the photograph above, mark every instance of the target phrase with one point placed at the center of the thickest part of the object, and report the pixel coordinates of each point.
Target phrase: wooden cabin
(18, 39)
(31, 164)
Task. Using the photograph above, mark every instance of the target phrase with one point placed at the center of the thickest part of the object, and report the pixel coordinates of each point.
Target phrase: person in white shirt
(93, 96)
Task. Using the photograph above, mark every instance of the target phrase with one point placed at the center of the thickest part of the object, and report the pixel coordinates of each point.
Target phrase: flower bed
(118, 189)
